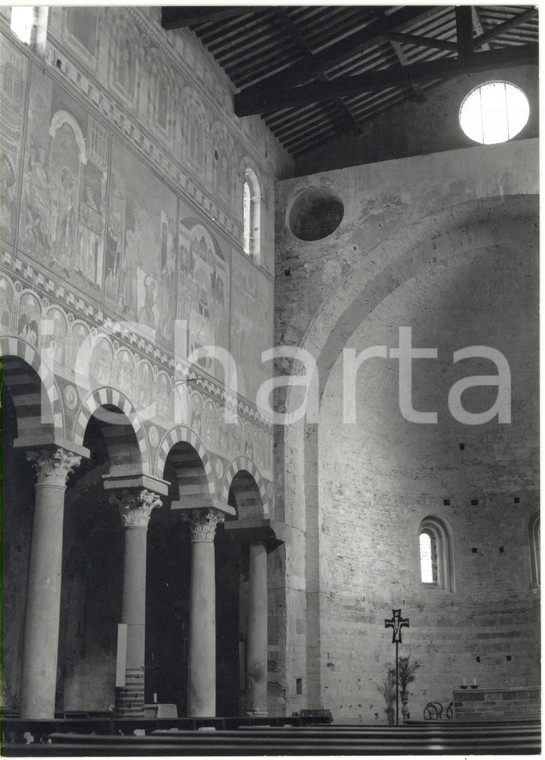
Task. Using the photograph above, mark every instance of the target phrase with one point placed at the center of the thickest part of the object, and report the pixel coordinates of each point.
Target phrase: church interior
(270, 378)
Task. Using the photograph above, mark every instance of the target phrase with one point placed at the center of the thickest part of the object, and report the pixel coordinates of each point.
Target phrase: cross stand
(397, 623)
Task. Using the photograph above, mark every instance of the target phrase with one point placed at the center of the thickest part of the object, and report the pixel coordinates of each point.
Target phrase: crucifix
(397, 623)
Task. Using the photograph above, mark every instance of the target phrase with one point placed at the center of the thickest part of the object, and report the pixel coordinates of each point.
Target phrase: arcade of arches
(164, 542)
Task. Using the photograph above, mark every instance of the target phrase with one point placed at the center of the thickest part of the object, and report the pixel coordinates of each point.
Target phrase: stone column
(41, 629)
(202, 613)
(135, 510)
(257, 631)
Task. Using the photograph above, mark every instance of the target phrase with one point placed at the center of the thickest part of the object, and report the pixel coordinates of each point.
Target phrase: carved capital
(135, 508)
(203, 523)
(53, 466)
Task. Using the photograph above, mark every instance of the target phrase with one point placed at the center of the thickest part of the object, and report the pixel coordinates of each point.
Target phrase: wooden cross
(396, 623)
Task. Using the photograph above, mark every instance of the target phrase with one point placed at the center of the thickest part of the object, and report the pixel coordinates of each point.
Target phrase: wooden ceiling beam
(296, 35)
(313, 92)
(180, 16)
(498, 29)
(307, 66)
(414, 39)
(464, 31)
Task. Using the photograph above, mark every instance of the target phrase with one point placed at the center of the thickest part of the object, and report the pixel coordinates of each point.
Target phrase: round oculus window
(494, 112)
(315, 214)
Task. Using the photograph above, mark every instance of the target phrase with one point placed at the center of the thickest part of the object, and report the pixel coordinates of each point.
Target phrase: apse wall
(122, 238)
(446, 245)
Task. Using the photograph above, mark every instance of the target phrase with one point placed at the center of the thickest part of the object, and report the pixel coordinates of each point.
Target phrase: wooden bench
(486, 739)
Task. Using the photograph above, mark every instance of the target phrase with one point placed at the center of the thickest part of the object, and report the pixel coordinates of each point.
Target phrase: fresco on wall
(6, 305)
(140, 264)
(13, 75)
(62, 210)
(203, 289)
(29, 321)
(251, 326)
(82, 31)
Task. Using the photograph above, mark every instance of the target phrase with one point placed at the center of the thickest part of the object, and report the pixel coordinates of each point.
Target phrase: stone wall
(415, 128)
(445, 244)
(497, 704)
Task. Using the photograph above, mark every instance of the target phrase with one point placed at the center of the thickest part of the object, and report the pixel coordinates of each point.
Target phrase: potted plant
(388, 690)
(405, 675)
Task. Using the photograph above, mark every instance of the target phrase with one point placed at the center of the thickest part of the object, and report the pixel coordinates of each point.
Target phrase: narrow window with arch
(535, 551)
(251, 213)
(435, 549)
(29, 24)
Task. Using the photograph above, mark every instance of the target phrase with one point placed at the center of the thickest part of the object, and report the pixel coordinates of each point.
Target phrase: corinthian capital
(53, 466)
(203, 523)
(135, 508)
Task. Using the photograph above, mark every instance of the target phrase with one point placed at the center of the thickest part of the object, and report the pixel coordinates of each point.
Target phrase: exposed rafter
(391, 77)
(413, 39)
(499, 29)
(178, 17)
(359, 41)
(317, 71)
(352, 123)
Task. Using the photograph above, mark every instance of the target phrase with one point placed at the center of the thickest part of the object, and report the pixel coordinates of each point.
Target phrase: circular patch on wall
(315, 213)
(70, 397)
(153, 434)
(218, 467)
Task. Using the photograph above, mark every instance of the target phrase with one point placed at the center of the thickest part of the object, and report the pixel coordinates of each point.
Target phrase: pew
(490, 739)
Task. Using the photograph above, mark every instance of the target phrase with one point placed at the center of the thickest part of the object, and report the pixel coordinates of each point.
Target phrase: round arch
(183, 434)
(244, 464)
(110, 397)
(17, 348)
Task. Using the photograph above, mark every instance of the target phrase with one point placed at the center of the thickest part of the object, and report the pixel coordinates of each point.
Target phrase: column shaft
(43, 601)
(201, 698)
(202, 632)
(257, 631)
(135, 510)
(41, 630)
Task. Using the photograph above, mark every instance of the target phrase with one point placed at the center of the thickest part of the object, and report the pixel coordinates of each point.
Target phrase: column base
(129, 699)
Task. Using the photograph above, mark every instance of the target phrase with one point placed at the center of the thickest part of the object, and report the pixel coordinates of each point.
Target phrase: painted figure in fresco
(146, 315)
(79, 336)
(163, 396)
(124, 371)
(113, 251)
(65, 219)
(128, 273)
(196, 406)
(89, 241)
(6, 300)
(37, 196)
(29, 314)
(103, 362)
(7, 195)
(59, 336)
(144, 388)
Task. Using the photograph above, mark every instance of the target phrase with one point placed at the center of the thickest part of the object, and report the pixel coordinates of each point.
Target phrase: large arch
(119, 432)
(181, 434)
(236, 469)
(21, 359)
(432, 243)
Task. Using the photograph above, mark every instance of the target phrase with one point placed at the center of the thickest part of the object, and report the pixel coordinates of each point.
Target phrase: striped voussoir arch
(182, 437)
(37, 401)
(119, 437)
(237, 465)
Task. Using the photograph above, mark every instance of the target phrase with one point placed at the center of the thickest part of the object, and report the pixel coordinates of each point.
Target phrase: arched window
(29, 24)
(252, 214)
(435, 548)
(535, 552)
